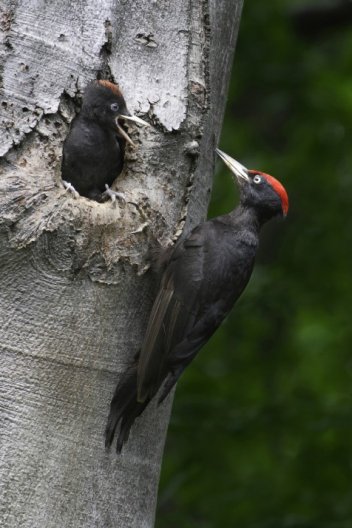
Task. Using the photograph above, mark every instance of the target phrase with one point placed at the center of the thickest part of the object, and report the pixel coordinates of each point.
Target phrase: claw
(70, 188)
(112, 195)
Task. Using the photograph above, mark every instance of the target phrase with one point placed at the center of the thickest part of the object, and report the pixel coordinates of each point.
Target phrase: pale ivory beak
(238, 170)
(133, 118)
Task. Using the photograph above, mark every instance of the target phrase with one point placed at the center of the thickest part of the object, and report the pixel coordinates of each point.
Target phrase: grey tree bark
(74, 292)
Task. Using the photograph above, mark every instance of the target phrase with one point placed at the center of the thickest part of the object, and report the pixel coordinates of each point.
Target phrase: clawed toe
(70, 188)
(112, 195)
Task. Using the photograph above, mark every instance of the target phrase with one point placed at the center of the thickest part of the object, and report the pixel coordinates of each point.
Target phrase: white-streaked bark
(74, 292)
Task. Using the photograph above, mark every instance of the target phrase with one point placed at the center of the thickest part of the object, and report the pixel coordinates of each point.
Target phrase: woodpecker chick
(93, 152)
(204, 275)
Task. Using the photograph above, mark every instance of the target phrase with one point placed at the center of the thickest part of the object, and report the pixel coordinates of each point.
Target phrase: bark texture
(75, 294)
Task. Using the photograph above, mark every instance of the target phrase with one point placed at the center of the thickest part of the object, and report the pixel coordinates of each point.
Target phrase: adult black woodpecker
(93, 152)
(203, 276)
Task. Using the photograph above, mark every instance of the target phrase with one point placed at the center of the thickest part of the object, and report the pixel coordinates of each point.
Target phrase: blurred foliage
(261, 431)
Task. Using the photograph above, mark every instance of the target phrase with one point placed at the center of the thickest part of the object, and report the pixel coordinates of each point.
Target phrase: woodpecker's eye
(114, 107)
(257, 179)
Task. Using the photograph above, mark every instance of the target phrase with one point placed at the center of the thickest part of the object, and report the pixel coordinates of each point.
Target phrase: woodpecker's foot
(112, 195)
(70, 188)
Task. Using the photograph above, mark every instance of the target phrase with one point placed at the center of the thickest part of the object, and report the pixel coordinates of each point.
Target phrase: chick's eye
(257, 179)
(114, 107)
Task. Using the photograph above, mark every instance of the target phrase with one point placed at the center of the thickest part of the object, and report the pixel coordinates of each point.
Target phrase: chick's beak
(132, 118)
(235, 167)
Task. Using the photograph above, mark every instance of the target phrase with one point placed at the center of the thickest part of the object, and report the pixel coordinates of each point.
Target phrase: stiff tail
(124, 409)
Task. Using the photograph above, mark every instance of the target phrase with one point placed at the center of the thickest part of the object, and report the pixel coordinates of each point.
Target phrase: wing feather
(148, 364)
(173, 313)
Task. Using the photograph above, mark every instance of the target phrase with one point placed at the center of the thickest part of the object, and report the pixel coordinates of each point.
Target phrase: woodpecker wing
(173, 313)
(198, 289)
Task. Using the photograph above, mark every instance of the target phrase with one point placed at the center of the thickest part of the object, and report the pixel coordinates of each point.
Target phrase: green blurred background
(261, 431)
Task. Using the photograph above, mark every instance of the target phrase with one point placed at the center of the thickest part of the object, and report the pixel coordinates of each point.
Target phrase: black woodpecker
(93, 152)
(203, 276)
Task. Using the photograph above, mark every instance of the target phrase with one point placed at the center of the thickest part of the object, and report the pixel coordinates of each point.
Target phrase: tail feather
(131, 413)
(170, 382)
(124, 409)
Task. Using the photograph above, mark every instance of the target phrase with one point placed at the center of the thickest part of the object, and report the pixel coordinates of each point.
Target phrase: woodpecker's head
(257, 189)
(104, 102)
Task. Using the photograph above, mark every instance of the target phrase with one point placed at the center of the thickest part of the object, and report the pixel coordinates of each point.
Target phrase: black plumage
(93, 152)
(203, 276)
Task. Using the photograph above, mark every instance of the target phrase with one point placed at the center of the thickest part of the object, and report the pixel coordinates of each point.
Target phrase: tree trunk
(75, 294)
